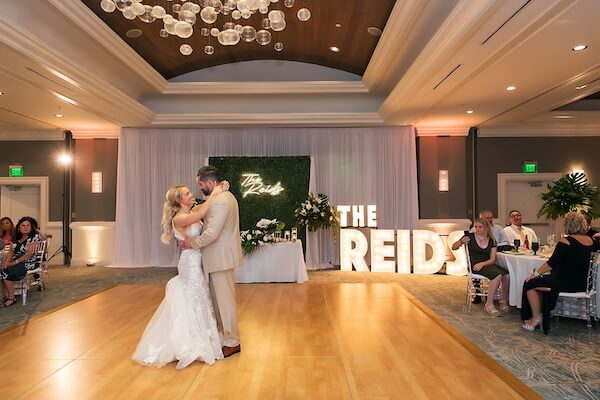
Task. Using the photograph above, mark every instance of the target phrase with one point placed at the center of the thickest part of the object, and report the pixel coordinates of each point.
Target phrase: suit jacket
(220, 239)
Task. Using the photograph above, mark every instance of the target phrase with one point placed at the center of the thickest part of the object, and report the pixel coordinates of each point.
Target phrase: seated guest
(588, 220)
(502, 242)
(18, 259)
(7, 231)
(568, 268)
(482, 254)
(516, 230)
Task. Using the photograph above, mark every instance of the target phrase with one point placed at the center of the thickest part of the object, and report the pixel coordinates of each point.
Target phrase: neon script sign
(254, 185)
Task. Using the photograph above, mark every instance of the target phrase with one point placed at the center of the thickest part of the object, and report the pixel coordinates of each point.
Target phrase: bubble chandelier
(181, 17)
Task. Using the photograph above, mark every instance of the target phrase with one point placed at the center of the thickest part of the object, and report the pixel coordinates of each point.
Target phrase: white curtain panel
(351, 165)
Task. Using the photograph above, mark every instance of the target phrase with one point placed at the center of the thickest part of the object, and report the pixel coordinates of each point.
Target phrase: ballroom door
(522, 192)
(18, 201)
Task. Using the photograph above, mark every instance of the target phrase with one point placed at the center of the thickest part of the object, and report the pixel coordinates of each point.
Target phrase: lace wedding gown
(183, 327)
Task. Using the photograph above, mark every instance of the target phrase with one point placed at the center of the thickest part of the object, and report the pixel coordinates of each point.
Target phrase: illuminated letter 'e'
(380, 250)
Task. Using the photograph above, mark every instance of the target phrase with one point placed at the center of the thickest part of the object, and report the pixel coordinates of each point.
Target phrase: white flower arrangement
(316, 213)
(262, 234)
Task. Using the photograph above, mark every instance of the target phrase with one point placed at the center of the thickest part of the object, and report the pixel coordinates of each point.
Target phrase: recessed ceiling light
(134, 33)
(338, 25)
(1, 93)
(580, 87)
(58, 115)
(511, 88)
(579, 47)
(374, 31)
(470, 111)
(334, 49)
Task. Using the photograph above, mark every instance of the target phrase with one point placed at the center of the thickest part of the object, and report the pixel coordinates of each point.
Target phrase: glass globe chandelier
(182, 17)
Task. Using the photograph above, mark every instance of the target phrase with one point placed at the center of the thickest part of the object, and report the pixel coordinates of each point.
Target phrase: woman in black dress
(568, 267)
(18, 259)
(482, 254)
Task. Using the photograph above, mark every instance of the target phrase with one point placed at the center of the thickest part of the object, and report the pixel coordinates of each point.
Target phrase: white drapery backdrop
(351, 165)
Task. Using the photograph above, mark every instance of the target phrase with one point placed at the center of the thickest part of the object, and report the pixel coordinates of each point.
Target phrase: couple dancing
(184, 327)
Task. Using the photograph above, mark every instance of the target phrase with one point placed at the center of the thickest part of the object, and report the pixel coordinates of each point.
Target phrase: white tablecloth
(278, 262)
(519, 267)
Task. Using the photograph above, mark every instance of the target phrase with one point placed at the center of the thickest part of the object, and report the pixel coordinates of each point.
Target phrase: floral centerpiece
(316, 213)
(260, 235)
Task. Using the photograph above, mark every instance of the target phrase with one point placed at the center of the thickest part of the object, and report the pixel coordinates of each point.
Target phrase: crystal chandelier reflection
(181, 17)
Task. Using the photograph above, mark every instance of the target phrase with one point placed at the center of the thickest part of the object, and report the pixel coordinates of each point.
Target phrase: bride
(183, 327)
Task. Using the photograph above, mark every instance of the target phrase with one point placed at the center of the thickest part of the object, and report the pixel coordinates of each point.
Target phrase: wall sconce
(97, 182)
(443, 180)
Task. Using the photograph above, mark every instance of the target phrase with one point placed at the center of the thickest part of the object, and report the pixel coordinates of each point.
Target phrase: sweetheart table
(277, 262)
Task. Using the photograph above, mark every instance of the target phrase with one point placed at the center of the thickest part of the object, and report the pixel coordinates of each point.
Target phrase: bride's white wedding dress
(183, 327)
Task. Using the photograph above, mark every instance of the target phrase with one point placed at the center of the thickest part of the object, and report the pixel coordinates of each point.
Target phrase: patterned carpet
(562, 365)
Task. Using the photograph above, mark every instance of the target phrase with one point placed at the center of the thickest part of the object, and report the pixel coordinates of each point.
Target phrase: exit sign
(530, 167)
(15, 170)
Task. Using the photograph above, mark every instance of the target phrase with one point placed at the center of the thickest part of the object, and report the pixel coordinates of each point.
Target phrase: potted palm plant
(572, 192)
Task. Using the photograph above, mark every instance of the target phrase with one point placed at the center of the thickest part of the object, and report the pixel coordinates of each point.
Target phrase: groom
(221, 253)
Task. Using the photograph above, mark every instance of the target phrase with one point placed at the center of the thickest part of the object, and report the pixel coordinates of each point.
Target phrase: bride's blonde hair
(170, 208)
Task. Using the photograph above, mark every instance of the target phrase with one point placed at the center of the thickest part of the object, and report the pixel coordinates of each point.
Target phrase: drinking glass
(286, 236)
(517, 244)
(551, 239)
(535, 246)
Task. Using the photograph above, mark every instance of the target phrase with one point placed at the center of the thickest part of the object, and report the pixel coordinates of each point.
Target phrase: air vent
(447, 76)
(49, 79)
(506, 22)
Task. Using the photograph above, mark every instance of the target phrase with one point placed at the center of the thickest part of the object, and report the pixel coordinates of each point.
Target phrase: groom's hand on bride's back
(185, 244)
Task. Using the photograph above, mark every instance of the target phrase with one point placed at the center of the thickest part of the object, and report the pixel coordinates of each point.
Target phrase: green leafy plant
(261, 234)
(572, 192)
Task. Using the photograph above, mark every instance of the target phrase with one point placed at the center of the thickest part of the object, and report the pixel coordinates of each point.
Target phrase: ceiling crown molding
(31, 135)
(447, 40)
(104, 134)
(84, 18)
(319, 87)
(89, 84)
(437, 131)
(268, 119)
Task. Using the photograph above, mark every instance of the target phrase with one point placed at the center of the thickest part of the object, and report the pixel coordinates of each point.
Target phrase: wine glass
(517, 244)
(535, 246)
(550, 240)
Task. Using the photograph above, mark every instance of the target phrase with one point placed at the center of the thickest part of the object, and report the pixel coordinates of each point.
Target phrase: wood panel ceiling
(303, 41)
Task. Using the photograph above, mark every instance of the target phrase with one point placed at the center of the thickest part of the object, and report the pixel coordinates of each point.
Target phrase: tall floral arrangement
(316, 213)
(261, 234)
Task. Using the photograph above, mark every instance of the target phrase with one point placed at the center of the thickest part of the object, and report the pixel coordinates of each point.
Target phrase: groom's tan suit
(221, 253)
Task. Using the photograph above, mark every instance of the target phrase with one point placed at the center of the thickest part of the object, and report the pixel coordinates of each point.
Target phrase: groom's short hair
(209, 172)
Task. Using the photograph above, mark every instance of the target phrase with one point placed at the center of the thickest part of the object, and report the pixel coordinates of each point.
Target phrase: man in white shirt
(516, 230)
(501, 239)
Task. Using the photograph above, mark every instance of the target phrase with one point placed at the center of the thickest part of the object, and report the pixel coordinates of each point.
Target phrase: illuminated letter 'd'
(421, 239)
(356, 255)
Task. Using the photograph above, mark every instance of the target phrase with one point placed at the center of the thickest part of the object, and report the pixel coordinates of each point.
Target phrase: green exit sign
(15, 170)
(530, 167)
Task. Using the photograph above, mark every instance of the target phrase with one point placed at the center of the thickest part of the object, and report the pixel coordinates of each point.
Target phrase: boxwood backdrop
(293, 174)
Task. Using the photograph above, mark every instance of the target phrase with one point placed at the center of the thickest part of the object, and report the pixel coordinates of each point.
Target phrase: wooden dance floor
(331, 341)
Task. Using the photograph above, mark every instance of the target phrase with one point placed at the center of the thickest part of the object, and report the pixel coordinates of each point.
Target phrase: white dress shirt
(499, 235)
(514, 232)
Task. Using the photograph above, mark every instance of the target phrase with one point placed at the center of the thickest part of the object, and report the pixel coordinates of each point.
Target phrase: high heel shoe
(491, 310)
(504, 307)
(10, 302)
(533, 325)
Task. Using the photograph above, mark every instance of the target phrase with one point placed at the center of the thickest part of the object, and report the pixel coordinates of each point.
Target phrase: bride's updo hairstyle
(171, 207)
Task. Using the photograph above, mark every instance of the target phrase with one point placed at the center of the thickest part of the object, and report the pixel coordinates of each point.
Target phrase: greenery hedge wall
(292, 172)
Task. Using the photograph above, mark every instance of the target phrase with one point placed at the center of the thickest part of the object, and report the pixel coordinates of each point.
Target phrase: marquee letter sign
(252, 184)
(390, 250)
